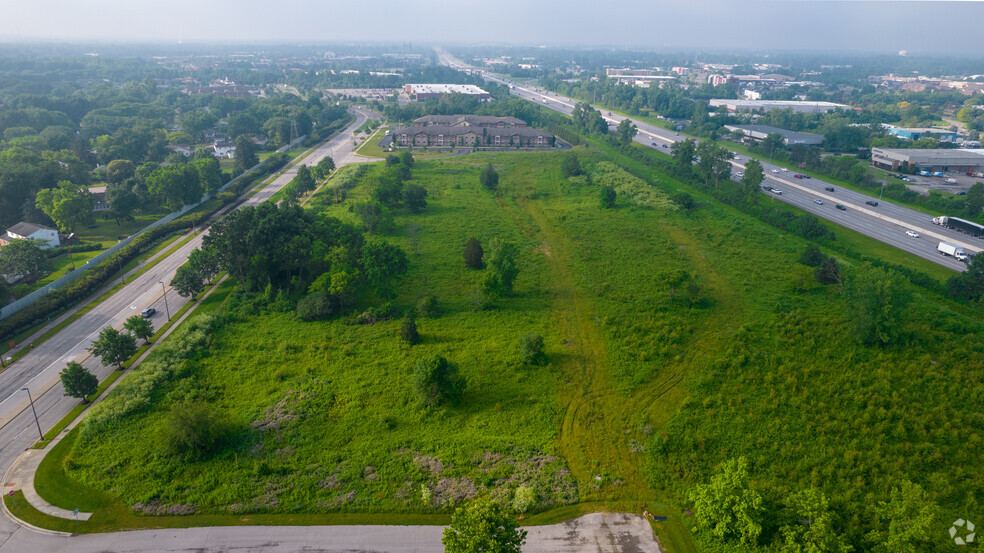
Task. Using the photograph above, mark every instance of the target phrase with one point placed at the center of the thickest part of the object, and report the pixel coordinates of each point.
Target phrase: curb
(18, 521)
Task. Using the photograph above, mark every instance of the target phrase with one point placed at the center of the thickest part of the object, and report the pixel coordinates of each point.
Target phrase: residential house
(22, 231)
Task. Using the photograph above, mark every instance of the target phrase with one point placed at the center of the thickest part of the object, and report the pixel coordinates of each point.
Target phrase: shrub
(812, 256)
(489, 178)
(473, 253)
(531, 350)
(606, 197)
(524, 499)
(429, 306)
(194, 429)
(408, 330)
(437, 382)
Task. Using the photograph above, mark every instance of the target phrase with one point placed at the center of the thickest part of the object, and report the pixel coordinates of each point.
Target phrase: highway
(39, 370)
(888, 222)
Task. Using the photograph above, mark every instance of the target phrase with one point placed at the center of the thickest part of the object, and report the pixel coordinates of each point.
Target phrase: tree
(531, 350)
(473, 253)
(489, 178)
(684, 152)
(570, 166)
(728, 507)
(414, 197)
(245, 154)
(828, 272)
(382, 263)
(205, 263)
(502, 269)
(812, 256)
(437, 382)
(753, 177)
(974, 202)
(68, 205)
(625, 132)
(119, 170)
(303, 180)
(392, 160)
(606, 196)
(139, 327)
(406, 158)
(879, 302)
(372, 215)
(194, 429)
(968, 286)
(684, 200)
(175, 185)
(196, 122)
(187, 282)
(113, 347)
(324, 167)
(22, 257)
(813, 530)
(209, 174)
(408, 329)
(78, 382)
(483, 526)
(122, 202)
(902, 523)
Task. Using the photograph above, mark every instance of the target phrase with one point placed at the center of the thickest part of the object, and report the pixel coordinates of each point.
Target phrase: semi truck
(947, 248)
(962, 225)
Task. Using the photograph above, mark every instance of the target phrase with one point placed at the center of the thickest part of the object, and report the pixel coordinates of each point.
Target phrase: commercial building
(769, 105)
(638, 77)
(421, 92)
(944, 160)
(485, 121)
(789, 138)
(915, 133)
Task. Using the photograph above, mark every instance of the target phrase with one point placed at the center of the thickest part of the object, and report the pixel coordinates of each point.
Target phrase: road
(888, 222)
(38, 370)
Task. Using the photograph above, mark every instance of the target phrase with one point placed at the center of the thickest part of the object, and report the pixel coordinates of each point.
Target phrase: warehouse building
(769, 105)
(944, 160)
(915, 133)
(789, 138)
(421, 92)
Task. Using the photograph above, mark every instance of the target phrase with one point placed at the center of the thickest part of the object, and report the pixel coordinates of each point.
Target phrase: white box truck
(947, 248)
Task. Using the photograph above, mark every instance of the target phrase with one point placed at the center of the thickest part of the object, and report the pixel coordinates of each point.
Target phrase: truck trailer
(962, 225)
(947, 248)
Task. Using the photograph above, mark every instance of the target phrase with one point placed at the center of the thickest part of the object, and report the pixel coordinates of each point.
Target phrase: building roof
(752, 104)
(929, 155)
(446, 89)
(791, 136)
(478, 120)
(435, 130)
(26, 229)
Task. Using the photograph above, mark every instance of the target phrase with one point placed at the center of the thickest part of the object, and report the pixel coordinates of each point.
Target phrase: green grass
(647, 390)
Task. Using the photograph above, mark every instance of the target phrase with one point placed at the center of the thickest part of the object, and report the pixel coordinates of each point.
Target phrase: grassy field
(649, 386)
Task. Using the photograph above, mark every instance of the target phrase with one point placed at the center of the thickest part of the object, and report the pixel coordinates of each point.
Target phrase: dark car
(148, 313)
(842, 208)
(872, 203)
(807, 177)
(655, 144)
(828, 188)
(797, 176)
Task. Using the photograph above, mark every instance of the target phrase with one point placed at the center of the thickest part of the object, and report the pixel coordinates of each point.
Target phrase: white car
(777, 192)
(784, 170)
(739, 174)
(775, 170)
(912, 233)
(818, 201)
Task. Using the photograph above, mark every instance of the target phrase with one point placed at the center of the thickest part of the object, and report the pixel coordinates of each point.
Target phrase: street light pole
(35, 413)
(122, 275)
(166, 310)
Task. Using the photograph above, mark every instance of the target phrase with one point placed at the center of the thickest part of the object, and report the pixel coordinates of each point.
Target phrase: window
(497, 140)
(539, 141)
(440, 140)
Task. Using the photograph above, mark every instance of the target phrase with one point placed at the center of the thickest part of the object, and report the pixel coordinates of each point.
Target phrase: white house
(224, 148)
(22, 230)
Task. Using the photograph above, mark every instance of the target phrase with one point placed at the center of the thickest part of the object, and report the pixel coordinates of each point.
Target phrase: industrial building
(421, 92)
(944, 160)
(915, 133)
(759, 132)
(769, 105)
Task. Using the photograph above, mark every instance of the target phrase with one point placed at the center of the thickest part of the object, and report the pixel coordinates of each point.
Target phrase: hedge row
(52, 253)
(57, 301)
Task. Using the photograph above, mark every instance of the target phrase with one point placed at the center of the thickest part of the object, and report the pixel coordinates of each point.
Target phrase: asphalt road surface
(888, 222)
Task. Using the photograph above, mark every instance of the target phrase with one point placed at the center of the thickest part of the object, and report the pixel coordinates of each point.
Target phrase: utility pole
(35, 413)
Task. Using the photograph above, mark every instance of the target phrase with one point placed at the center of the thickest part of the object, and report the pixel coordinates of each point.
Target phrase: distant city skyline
(918, 27)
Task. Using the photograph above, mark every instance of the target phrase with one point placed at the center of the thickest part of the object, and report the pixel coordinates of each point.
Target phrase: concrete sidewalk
(594, 533)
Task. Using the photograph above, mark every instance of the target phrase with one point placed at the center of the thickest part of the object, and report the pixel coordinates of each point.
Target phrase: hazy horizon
(885, 26)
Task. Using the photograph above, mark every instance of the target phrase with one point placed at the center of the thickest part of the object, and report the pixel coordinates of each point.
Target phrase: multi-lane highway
(886, 222)
(38, 370)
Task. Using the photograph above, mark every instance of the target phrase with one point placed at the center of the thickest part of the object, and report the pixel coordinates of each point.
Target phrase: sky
(919, 27)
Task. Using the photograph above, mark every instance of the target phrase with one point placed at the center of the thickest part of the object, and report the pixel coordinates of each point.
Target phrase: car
(951, 181)
(775, 170)
(807, 177)
(840, 207)
(784, 170)
(664, 145)
(739, 174)
(961, 193)
(797, 176)
(767, 188)
(148, 313)
(655, 144)
(872, 203)
(818, 201)
(912, 233)
(828, 188)
(777, 192)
